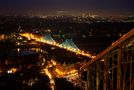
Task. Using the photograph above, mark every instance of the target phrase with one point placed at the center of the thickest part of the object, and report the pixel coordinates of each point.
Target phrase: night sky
(46, 6)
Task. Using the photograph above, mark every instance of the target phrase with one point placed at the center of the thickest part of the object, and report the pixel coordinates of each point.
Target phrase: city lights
(43, 40)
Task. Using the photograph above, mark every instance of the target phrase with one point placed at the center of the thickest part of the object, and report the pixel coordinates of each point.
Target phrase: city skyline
(100, 7)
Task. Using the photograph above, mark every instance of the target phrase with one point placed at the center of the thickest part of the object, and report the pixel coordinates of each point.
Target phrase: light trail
(42, 39)
(50, 77)
(58, 71)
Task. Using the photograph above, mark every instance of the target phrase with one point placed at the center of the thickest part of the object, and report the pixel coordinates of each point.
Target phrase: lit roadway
(42, 39)
(58, 71)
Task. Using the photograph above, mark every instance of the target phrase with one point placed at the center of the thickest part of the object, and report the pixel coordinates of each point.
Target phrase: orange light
(40, 39)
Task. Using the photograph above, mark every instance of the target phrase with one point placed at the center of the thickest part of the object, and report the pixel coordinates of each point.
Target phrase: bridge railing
(113, 68)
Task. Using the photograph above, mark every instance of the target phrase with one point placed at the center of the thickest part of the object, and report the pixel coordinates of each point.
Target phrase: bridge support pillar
(97, 77)
(119, 69)
(105, 74)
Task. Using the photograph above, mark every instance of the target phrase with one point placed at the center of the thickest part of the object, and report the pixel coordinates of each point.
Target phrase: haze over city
(100, 7)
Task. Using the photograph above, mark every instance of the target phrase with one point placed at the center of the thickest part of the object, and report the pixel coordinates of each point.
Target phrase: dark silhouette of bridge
(113, 68)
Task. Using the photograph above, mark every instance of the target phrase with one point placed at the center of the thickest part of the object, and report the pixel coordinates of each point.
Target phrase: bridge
(67, 44)
(113, 68)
